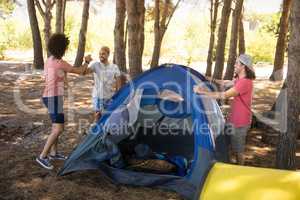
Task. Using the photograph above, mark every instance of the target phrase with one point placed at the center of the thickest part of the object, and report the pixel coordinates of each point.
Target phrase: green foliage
(262, 42)
(186, 40)
(252, 16)
(3, 44)
(195, 42)
(6, 7)
(2, 49)
(72, 27)
(15, 35)
(100, 31)
(270, 24)
(150, 10)
(261, 46)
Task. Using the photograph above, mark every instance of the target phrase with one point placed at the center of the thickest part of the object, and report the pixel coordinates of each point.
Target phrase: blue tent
(191, 136)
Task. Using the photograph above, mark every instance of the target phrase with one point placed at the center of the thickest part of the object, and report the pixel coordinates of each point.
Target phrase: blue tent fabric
(99, 148)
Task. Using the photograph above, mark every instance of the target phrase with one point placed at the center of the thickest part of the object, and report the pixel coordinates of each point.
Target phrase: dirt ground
(24, 126)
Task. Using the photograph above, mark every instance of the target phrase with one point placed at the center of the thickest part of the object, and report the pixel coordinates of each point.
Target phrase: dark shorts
(55, 108)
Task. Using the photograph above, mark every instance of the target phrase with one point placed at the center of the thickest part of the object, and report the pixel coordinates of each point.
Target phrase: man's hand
(208, 78)
(200, 90)
(114, 87)
(88, 58)
(171, 96)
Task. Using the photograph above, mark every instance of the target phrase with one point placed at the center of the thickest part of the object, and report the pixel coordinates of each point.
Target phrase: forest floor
(24, 126)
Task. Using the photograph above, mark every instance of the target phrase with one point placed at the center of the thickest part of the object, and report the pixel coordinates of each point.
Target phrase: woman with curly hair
(55, 70)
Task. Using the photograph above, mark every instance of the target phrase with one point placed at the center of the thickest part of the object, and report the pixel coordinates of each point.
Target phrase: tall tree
(160, 27)
(136, 18)
(82, 33)
(214, 7)
(60, 16)
(277, 73)
(119, 35)
(46, 14)
(222, 34)
(286, 151)
(236, 15)
(242, 46)
(38, 60)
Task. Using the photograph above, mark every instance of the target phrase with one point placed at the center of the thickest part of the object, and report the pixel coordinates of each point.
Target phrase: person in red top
(240, 111)
(55, 70)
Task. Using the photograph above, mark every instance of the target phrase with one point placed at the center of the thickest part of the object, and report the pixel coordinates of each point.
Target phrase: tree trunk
(222, 34)
(59, 24)
(157, 37)
(160, 28)
(286, 152)
(47, 27)
(236, 15)
(156, 52)
(142, 30)
(82, 33)
(119, 33)
(242, 46)
(277, 73)
(126, 38)
(136, 14)
(213, 25)
(38, 61)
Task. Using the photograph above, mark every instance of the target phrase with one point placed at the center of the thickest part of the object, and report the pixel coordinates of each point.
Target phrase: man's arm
(79, 70)
(118, 82)
(226, 83)
(232, 92)
(83, 69)
(88, 70)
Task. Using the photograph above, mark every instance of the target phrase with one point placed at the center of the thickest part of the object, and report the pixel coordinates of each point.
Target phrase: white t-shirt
(104, 79)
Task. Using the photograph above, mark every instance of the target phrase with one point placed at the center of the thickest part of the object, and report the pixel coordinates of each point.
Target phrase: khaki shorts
(238, 138)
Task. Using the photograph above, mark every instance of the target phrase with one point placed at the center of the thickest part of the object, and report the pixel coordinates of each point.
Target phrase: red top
(54, 72)
(240, 114)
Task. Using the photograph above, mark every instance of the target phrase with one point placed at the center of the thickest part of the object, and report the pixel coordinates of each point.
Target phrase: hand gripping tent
(157, 112)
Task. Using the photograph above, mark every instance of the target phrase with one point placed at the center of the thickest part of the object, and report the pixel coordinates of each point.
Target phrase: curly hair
(58, 44)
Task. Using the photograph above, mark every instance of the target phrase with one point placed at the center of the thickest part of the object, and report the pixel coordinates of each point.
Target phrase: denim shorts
(100, 105)
(55, 108)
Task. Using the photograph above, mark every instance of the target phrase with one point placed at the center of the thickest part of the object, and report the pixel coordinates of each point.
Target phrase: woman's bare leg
(57, 129)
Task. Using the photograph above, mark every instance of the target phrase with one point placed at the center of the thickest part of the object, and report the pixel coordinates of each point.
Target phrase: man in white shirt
(106, 81)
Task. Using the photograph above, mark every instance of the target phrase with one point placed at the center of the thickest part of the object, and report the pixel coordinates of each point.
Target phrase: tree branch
(157, 14)
(52, 4)
(38, 5)
(211, 10)
(164, 15)
(172, 14)
(44, 2)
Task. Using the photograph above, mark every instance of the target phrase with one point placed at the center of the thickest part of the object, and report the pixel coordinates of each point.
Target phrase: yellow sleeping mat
(233, 182)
